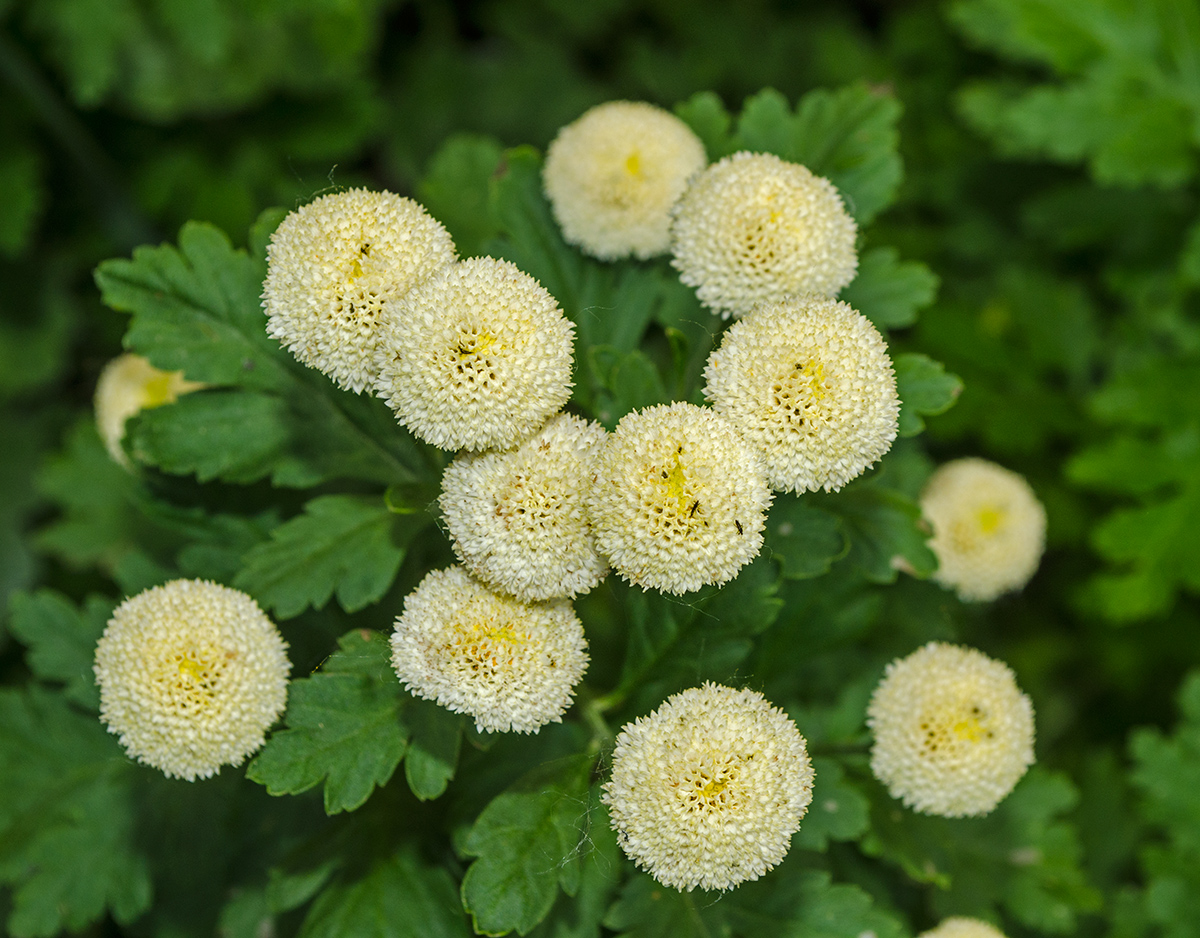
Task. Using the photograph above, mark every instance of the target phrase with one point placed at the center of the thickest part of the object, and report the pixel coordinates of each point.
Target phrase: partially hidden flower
(708, 789)
(953, 732)
(961, 927)
(479, 357)
(129, 384)
(191, 674)
(613, 174)
(678, 500)
(753, 228)
(332, 267)
(808, 383)
(989, 529)
(518, 518)
(512, 666)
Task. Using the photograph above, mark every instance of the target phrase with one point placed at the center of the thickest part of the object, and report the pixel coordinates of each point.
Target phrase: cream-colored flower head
(953, 732)
(808, 383)
(708, 789)
(128, 384)
(754, 228)
(192, 675)
(989, 529)
(509, 665)
(679, 500)
(960, 927)
(518, 518)
(334, 264)
(613, 175)
(477, 358)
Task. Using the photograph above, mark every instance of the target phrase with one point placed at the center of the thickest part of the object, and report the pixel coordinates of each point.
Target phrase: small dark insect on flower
(695, 505)
(739, 526)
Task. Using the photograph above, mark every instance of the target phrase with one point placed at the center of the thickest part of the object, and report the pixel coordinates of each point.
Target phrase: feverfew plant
(520, 743)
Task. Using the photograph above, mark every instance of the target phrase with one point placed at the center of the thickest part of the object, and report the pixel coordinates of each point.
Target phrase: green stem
(702, 929)
(593, 716)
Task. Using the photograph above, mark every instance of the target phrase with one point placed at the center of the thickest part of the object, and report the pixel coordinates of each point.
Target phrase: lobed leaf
(61, 639)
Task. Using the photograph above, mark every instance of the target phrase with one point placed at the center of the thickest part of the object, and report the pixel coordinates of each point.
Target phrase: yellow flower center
(633, 164)
(970, 728)
(990, 519)
(159, 390)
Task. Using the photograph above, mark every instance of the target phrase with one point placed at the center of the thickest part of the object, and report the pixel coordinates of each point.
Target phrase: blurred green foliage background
(1050, 181)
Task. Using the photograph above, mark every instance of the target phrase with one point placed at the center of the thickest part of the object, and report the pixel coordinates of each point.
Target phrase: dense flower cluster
(754, 228)
(334, 265)
(613, 175)
(510, 665)
(518, 518)
(128, 384)
(191, 676)
(476, 358)
(960, 927)
(953, 732)
(989, 529)
(679, 500)
(708, 789)
(808, 382)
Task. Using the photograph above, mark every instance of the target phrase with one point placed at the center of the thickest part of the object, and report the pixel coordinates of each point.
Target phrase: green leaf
(839, 810)
(346, 545)
(61, 640)
(709, 120)
(455, 189)
(528, 841)
(197, 309)
(625, 382)
(398, 897)
(646, 909)
(848, 136)
(806, 903)
(22, 195)
(886, 531)
(806, 541)
(432, 755)
(67, 819)
(889, 291)
(1024, 857)
(925, 390)
(344, 728)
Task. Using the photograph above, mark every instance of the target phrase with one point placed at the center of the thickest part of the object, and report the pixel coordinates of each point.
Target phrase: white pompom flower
(679, 500)
(753, 228)
(708, 789)
(613, 175)
(961, 927)
(192, 675)
(518, 518)
(512, 666)
(808, 383)
(989, 529)
(953, 732)
(479, 357)
(332, 267)
(129, 384)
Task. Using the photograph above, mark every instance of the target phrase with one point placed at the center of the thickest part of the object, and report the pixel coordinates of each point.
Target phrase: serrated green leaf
(580, 915)
(925, 389)
(805, 540)
(625, 383)
(344, 728)
(528, 843)
(346, 545)
(889, 291)
(398, 897)
(432, 756)
(197, 309)
(65, 801)
(885, 529)
(848, 136)
(455, 189)
(61, 639)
